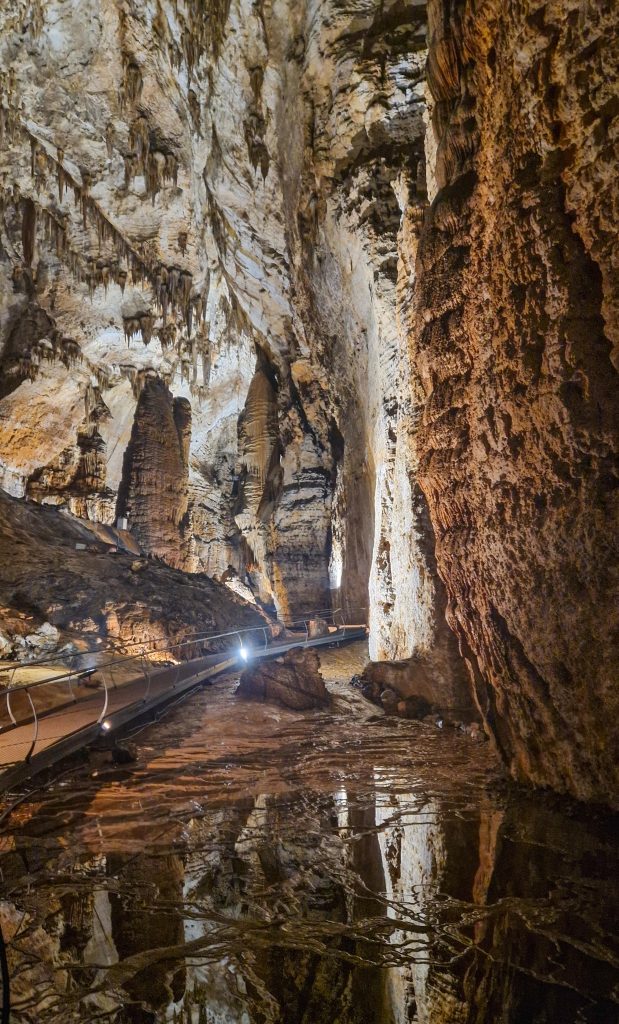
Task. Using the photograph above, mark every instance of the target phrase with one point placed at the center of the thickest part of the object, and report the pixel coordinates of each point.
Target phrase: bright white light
(244, 653)
(336, 565)
(107, 725)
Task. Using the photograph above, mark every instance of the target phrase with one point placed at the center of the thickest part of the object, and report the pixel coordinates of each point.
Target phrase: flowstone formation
(514, 347)
(320, 297)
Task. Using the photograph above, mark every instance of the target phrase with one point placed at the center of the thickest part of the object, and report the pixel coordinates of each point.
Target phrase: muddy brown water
(337, 867)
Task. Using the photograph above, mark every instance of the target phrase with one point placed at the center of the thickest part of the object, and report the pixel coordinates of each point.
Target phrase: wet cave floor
(339, 867)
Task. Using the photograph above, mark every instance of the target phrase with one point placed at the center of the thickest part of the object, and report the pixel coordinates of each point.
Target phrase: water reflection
(259, 866)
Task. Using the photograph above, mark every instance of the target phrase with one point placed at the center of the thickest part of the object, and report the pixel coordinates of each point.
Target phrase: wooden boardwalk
(37, 743)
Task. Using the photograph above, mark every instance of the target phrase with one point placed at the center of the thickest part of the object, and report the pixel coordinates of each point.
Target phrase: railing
(106, 673)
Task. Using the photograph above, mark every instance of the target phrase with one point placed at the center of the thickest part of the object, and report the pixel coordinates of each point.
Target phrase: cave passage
(309, 532)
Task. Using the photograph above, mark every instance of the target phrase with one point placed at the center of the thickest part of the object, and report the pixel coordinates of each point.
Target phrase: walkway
(40, 739)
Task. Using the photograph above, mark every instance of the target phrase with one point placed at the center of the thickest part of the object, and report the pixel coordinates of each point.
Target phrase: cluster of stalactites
(202, 30)
(154, 165)
(172, 286)
(23, 15)
(131, 84)
(56, 347)
(141, 326)
(9, 111)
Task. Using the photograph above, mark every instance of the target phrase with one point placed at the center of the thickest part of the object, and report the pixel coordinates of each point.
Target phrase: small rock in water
(414, 708)
(124, 753)
(390, 700)
(294, 681)
(317, 628)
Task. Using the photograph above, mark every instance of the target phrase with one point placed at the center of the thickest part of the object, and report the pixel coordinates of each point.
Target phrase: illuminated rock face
(513, 342)
(221, 212)
(154, 490)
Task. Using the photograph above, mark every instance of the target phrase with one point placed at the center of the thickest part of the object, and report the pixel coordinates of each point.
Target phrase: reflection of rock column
(425, 851)
(138, 926)
(154, 489)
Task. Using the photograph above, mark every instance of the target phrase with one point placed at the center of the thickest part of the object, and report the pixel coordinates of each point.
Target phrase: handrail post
(147, 676)
(305, 623)
(266, 639)
(178, 666)
(36, 728)
(105, 699)
(8, 696)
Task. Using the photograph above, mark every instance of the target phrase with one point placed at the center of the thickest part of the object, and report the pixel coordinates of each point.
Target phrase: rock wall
(512, 340)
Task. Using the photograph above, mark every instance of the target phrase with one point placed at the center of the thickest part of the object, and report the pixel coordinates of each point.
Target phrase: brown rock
(514, 342)
(293, 681)
(95, 593)
(413, 689)
(317, 628)
(153, 490)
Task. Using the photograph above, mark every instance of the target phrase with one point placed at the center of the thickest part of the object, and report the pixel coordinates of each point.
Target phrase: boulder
(45, 638)
(294, 681)
(6, 645)
(317, 628)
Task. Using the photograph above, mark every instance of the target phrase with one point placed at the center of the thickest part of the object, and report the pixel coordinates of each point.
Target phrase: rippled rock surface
(339, 866)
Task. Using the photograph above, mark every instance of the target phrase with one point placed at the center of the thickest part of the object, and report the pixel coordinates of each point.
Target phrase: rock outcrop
(512, 340)
(153, 492)
(60, 585)
(294, 681)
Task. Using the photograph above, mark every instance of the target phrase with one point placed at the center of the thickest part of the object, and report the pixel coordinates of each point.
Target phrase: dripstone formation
(322, 298)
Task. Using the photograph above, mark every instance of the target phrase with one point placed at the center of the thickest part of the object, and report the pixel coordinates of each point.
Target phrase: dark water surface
(256, 865)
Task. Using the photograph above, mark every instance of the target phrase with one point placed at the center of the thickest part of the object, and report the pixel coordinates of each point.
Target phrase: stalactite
(133, 82)
(60, 172)
(153, 173)
(37, 18)
(172, 286)
(171, 168)
(139, 138)
(29, 222)
(109, 140)
(194, 110)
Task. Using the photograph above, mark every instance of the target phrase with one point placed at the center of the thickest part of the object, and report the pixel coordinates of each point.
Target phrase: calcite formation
(153, 493)
(322, 297)
(513, 343)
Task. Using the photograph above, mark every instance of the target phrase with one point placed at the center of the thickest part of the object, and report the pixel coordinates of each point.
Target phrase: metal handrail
(102, 670)
(287, 624)
(198, 637)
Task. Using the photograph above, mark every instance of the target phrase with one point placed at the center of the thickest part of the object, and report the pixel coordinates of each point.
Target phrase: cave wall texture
(517, 362)
(323, 294)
